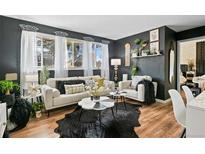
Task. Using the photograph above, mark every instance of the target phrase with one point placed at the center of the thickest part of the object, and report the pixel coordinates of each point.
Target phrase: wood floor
(156, 121)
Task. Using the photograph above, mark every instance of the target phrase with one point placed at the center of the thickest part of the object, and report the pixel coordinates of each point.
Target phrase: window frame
(44, 36)
(96, 68)
(72, 41)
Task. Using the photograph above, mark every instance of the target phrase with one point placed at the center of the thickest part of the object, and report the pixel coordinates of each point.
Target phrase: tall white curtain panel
(60, 52)
(87, 58)
(105, 62)
(28, 56)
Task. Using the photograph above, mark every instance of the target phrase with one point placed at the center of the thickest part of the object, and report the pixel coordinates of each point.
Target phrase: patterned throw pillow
(76, 88)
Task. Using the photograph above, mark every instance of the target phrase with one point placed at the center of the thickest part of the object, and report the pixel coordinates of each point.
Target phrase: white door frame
(202, 38)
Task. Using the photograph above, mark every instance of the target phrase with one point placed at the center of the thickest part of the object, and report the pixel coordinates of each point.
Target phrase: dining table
(195, 117)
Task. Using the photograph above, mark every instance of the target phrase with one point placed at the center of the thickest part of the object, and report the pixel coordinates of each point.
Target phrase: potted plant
(37, 108)
(44, 75)
(141, 45)
(7, 86)
(7, 92)
(95, 89)
(134, 70)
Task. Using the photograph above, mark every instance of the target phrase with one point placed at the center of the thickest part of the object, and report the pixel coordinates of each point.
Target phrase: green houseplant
(44, 75)
(141, 45)
(134, 70)
(36, 109)
(7, 86)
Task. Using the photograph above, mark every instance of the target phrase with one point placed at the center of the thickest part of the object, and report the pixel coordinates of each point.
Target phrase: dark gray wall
(153, 66)
(156, 67)
(10, 38)
(191, 33)
(170, 43)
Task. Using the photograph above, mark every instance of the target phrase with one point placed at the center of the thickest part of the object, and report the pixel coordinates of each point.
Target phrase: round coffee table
(119, 95)
(104, 103)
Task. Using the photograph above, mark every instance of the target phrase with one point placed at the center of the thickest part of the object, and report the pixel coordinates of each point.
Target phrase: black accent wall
(191, 33)
(156, 67)
(10, 40)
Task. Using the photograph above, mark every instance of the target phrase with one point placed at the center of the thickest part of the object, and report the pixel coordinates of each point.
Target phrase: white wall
(187, 52)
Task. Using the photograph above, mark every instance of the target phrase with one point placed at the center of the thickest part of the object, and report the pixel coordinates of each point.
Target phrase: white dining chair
(188, 93)
(179, 109)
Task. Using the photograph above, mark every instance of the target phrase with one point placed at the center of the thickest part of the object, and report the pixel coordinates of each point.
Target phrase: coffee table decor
(120, 126)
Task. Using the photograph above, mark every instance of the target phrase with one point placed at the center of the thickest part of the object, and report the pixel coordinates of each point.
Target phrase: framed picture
(154, 35)
(127, 54)
(154, 48)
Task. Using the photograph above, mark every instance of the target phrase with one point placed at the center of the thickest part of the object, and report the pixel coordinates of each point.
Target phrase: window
(97, 55)
(74, 57)
(45, 51)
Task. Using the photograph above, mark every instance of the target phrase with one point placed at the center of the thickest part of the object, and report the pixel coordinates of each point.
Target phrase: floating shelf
(154, 55)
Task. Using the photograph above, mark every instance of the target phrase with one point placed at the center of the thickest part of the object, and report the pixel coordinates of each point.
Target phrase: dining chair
(188, 93)
(179, 109)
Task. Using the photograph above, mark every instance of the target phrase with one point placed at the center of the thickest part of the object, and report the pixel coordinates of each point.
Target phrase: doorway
(189, 60)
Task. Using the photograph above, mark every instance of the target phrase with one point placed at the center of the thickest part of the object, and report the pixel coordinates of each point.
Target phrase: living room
(102, 76)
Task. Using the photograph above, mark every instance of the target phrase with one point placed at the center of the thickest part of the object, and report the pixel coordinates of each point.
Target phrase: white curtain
(60, 57)
(28, 56)
(87, 58)
(105, 62)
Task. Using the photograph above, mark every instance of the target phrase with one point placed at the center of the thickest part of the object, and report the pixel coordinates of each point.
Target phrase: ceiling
(116, 27)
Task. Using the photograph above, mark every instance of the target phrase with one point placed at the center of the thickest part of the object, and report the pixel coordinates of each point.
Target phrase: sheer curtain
(60, 57)
(105, 62)
(28, 56)
(87, 58)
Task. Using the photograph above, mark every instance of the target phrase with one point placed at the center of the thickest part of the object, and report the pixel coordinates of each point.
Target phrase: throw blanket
(20, 114)
(149, 97)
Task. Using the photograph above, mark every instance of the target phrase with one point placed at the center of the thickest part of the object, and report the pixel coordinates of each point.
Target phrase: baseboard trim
(163, 101)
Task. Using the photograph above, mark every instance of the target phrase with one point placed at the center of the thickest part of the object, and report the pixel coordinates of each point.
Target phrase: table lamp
(11, 76)
(115, 63)
(33, 80)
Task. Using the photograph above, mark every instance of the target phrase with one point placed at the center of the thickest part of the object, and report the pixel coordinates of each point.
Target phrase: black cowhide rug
(122, 126)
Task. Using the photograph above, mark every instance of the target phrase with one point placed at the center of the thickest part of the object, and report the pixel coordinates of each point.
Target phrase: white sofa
(130, 90)
(53, 99)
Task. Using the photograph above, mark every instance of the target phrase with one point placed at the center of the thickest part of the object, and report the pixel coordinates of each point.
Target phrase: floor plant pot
(38, 114)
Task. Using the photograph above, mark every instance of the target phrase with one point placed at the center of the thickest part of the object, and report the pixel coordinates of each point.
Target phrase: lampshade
(115, 62)
(11, 76)
(31, 78)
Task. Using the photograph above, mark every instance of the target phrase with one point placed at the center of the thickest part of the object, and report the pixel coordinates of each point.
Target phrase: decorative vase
(38, 114)
(96, 99)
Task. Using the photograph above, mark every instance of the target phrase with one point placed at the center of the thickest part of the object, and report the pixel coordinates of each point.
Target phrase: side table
(119, 95)
(38, 97)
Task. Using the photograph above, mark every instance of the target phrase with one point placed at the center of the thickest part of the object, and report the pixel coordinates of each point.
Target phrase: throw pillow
(60, 84)
(72, 89)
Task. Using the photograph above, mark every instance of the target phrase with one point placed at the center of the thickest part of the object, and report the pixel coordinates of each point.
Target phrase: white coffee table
(104, 103)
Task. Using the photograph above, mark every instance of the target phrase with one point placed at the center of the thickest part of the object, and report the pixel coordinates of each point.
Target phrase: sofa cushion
(70, 98)
(76, 88)
(131, 93)
(60, 84)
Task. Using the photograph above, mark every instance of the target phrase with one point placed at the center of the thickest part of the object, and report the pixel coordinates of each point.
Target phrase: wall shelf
(154, 55)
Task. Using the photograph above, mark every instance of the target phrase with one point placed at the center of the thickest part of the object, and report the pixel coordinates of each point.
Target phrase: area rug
(122, 126)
